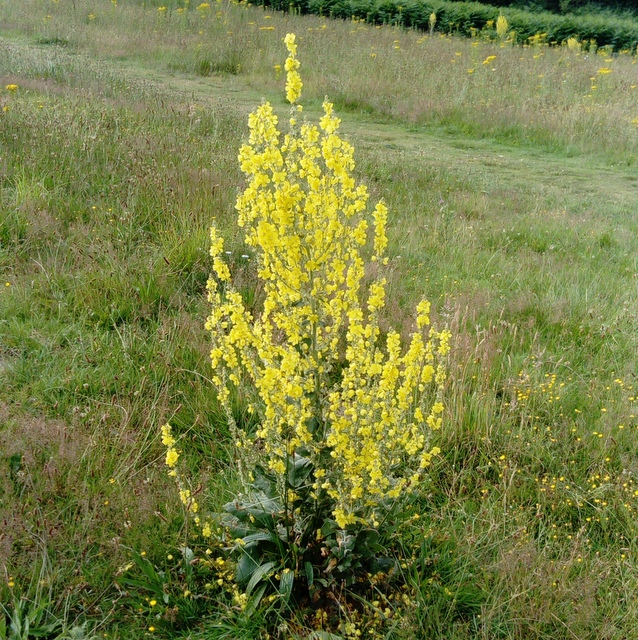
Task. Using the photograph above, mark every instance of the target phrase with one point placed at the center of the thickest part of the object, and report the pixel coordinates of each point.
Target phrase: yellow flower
(167, 437)
(293, 79)
(573, 44)
(309, 225)
(12, 87)
(171, 457)
(502, 26)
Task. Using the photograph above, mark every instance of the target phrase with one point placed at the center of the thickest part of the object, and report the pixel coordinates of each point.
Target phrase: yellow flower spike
(502, 26)
(293, 79)
(308, 225)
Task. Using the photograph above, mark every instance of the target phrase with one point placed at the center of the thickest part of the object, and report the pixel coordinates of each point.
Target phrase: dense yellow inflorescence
(502, 27)
(329, 385)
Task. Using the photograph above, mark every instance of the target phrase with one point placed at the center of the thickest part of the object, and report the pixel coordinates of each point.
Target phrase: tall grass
(511, 199)
(559, 100)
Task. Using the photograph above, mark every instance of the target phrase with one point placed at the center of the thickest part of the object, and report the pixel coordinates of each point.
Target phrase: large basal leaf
(258, 537)
(246, 566)
(299, 470)
(264, 482)
(258, 574)
(261, 511)
(253, 603)
(310, 573)
(285, 584)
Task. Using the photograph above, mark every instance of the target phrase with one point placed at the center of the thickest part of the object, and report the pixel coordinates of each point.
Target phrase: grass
(512, 200)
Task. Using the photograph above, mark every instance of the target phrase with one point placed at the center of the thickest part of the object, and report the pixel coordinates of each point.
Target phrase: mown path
(585, 182)
(585, 179)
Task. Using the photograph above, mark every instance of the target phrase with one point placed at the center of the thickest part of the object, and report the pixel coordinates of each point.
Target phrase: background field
(510, 175)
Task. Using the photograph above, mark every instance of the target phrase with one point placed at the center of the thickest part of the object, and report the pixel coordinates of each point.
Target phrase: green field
(510, 179)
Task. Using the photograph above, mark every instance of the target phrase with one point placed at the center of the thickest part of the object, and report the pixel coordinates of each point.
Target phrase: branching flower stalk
(344, 412)
(327, 389)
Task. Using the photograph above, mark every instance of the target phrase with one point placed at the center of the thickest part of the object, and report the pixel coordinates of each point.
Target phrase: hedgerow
(468, 18)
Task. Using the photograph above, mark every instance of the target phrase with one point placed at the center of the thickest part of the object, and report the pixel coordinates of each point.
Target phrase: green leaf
(285, 584)
(187, 553)
(140, 584)
(324, 635)
(382, 564)
(246, 566)
(15, 464)
(264, 482)
(260, 535)
(299, 470)
(156, 579)
(329, 528)
(260, 511)
(258, 574)
(253, 603)
(310, 573)
(313, 423)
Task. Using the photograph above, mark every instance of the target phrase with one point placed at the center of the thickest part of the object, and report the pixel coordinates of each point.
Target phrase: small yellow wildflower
(171, 457)
(167, 437)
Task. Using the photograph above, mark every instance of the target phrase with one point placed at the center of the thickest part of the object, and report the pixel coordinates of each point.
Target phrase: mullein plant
(343, 411)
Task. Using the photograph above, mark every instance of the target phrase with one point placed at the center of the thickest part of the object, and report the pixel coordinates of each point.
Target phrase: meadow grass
(512, 195)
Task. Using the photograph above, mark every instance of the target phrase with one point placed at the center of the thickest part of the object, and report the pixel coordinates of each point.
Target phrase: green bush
(463, 17)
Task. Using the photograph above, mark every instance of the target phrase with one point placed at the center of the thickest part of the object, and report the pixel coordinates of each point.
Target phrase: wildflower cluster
(326, 389)
(343, 412)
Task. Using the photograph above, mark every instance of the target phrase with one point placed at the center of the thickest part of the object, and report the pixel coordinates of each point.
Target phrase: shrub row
(565, 6)
(463, 17)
